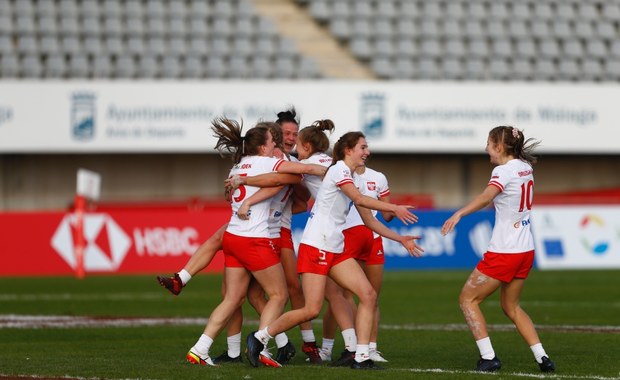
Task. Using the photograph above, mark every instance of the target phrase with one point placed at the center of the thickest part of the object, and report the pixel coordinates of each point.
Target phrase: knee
(510, 310)
(368, 296)
(294, 288)
(311, 312)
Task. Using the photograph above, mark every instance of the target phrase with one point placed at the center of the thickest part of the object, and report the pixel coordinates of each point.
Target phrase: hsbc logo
(106, 243)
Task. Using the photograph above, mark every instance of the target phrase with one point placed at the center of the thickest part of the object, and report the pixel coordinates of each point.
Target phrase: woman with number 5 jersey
(510, 254)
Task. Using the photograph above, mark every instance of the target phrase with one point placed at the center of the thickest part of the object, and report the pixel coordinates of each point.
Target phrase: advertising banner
(134, 117)
(577, 237)
(119, 242)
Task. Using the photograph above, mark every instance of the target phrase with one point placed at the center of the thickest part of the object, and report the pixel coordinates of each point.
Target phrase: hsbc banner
(571, 237)
(116, 241)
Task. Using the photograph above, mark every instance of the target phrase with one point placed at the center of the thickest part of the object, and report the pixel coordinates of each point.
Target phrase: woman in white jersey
(366, 246)
(320, 252)
(247, 246)
(510, 253)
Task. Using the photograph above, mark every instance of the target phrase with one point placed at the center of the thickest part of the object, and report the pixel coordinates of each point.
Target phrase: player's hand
(228, 191)
(234, 182)
(449, 224)
(411, 246)
(244, 211)
(404, 215)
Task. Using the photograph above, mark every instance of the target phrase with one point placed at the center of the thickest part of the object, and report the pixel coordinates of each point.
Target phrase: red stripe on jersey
(344, 182)
(497, 184)
(385, 193)
(277, 165)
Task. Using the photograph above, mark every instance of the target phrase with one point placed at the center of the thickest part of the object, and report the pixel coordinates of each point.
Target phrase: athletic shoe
(366, 364)
(326, 356)
(253, 349)
(547, 365)
(173, 284)
(224, 358)
(196, 359)
(377, 356)
(310, 349)
(488, 365)
(265, 358)
(346, 359)
(285, 353)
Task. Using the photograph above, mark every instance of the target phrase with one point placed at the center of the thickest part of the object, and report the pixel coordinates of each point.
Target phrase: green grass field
(422, 330)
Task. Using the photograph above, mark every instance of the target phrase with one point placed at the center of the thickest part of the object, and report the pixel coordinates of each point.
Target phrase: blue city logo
(83, 115)
(372, 114)
(6, 114)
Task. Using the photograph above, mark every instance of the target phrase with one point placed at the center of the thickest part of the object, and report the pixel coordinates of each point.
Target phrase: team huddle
(340, 256)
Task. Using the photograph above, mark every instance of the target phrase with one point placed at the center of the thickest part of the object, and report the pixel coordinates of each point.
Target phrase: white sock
(538, 352)
(361, 353)
(185, 276)
(263, 336)
(308, 336)
(234, 345)
(350, 339)
(328, 346)
(281, 340)
(372, 346)
(202, 346)
(486, 348)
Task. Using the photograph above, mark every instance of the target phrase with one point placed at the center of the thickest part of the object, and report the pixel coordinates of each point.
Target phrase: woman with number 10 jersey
(510, 254)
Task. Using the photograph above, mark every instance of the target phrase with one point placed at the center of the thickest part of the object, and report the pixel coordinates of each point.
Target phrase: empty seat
(592, 69)
(114, 45)
(6, 24)
(565, 10)
(215, 67)
(9, 66)
(568, 69)
(48, 45)
(265, 46)
(198, 46)
(454, 48)
(133, 9)
(102, 66)
(223, 8)
(112, 26)
(427, 68)
(561, 29)
(611, 10)
(499, 10)
(614, 49)
(517, 29)
(383, 27)
(55, 66)
(265, 27)
(476, 10)
(455, 10)
(155, 27)
(24, 8)
(605, 29)
(25, 25)
(540, 28)
(475, 68)
(522, 69)
(431, 9)
(148, 66)
(90, 8)
(405, 28)
(544, 69)
(31, 66)
(587, 11)
(478, 48)
(155, 8)
(548, 48)
(93, 45)
(156, 46)
(384, 47)
(451, 28)
(572, 48)
(197, 27)
(125, 67)
(502, 48)
(402, 68)
(170, 67)
(361, 48)
(177, 27)
(220, 47)
(238, 67)
(242, 47)
(260, 67)
(584, 29)
(79, 66)
(200, 9)
(91, 26)
(405, 47)
(69, 25)
(429, 28)
(68, 8)
(383, 68)
(497, 29)
(526, 48)
(612, 70)
(521, 10)
(47, 25)
(177, 46)
(388, 9)
(192, 67)
(284, 67)
(596, 48)
(341, 29)
(473, 29)
(359, 28)
(452, 68)
(320, 10)
(362, 9)
(407, 10)
(340, 9)
(542, 10)
(71, 45)
(134, 26)
(431, 48)
(6, 45)
(307, 68)
(135, 45)
(244, 26)
(221, 27)
(177, 9)
(499, 69)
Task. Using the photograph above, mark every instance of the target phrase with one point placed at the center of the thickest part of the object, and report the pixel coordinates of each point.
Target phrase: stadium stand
(548, 40)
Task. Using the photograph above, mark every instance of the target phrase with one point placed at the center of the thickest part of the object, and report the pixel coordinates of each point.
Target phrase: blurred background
(127, 88)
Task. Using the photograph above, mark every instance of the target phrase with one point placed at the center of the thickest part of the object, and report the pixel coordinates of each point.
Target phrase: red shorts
(376, 256)
(358, 241)
(313, 260)
(251, 253)
(277, 245)
(506, 266)
(286, 239)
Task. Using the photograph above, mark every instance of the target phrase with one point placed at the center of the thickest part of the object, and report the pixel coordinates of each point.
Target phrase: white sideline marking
(61, 321)
(502, 374)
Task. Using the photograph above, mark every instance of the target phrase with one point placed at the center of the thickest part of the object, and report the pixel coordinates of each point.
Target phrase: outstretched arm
(359, 199)
(407, 241)
(387, 216)
(476, 204)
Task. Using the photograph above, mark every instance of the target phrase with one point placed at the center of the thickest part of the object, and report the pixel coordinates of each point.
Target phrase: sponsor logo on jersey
(521, 223)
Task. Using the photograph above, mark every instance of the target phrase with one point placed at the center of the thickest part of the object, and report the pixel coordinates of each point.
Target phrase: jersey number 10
(527, 193)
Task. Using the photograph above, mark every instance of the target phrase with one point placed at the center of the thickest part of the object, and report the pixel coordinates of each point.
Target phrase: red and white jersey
(328, 215)
(512, 232)
(373, 184)
(313, 182)
(257, 225)
(287, 211)
(278, 209)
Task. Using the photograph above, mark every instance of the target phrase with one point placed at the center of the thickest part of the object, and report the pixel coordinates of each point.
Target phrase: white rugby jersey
(287, 211)
(313, 182)
(511, 232)
(278, 209)
(257, 225)
(373, 184)
(331, 206)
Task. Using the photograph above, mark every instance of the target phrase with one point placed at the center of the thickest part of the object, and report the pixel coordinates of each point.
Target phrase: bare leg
(510, 294)
(236, 286)
(476, 289)
(205, 253)
(374, 273)
(273, 282)
(295, 293)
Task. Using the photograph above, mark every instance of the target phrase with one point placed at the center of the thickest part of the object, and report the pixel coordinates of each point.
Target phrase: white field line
(502, 374)
(41, 321)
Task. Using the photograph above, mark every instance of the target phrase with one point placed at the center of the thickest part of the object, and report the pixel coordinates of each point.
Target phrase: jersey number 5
(527, 193)
(242, 191)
